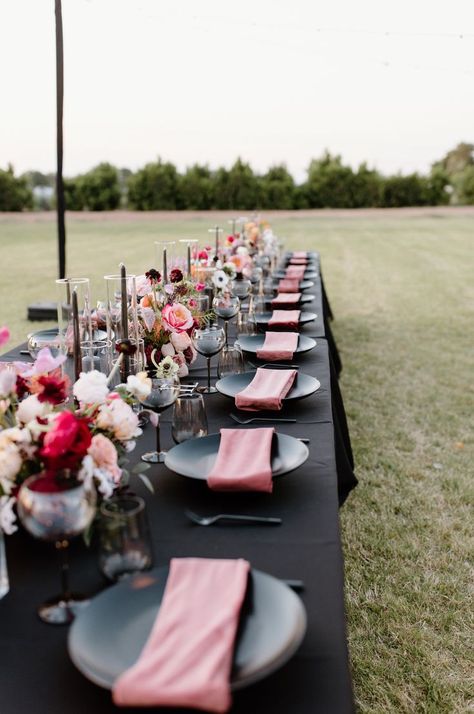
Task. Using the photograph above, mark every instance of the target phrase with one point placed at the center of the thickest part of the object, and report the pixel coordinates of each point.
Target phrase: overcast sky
(209, 80)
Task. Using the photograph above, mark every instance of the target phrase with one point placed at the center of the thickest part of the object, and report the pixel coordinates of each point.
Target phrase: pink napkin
(288, 285)
(299, 254)
(295, 272)
(278, 345)
(298, 261)
(266, 390)
(187, 659)
(284, 318)
(286, 299)
(244, 461)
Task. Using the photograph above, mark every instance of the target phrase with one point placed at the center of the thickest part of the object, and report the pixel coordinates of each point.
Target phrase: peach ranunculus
(239, 261)
(104, 454)
(119, 418)
(177, 317)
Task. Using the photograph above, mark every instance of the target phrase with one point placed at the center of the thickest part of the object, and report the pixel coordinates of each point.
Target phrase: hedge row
(329, 184)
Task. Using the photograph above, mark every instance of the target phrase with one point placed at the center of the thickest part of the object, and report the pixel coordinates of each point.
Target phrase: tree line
(329, 184)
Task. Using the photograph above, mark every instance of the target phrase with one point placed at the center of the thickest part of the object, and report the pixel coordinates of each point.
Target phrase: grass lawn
(402, 291)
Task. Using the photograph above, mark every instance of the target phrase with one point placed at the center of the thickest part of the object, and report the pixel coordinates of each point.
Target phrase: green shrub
(155, 188)
(100, 189)
(15, 195)
(277, 189)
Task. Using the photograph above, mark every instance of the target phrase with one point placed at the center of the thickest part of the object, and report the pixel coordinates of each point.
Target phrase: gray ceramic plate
(309, 274)
(303, 386)
(107, 637)
(263, 318)
(195, 458)
(252, 343)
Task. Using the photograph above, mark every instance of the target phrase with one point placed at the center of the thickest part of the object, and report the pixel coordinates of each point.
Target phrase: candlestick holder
(165, 257)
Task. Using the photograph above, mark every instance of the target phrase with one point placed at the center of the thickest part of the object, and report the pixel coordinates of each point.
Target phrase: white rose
(167, 350)
(7, 516)
(7, 382)
(30, 408)
(10, 464)
(181, 341)
(119, 418)
(139, 386)
(91, 388)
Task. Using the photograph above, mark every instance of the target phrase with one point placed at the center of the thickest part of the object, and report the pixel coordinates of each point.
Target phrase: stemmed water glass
(208, 341)
(226, 306)
(57, 516)
(241, 288)
(164, 392)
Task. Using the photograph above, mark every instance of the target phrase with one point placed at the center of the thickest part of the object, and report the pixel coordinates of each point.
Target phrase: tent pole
(60, 205)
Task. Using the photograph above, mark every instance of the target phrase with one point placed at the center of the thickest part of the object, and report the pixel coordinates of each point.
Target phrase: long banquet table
(36, 673)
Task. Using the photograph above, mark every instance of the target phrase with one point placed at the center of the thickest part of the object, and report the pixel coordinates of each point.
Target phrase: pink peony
(176, 317)
(200, 287)
(104, 454)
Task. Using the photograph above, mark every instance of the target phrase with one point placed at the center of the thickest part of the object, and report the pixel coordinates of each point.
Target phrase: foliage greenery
(330, 183)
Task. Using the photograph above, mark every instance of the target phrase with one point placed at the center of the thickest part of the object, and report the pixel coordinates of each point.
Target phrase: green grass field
(402, 291)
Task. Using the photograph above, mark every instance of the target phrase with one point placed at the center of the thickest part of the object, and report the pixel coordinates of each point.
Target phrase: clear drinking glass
(164, 392)
(226, 306)
(189, 418)
(57, 516)
(231, 361)
(124, 537)
(208, 341)
(246, 323)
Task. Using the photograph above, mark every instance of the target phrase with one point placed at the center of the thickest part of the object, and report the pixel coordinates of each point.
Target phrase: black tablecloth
(37, 675)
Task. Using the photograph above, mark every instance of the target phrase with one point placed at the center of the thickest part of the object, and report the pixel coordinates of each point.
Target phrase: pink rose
(4, 335)
(200, 287)
(176, 317)
(104, 454)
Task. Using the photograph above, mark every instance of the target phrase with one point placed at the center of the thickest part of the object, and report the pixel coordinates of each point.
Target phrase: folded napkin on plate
(187, 659)
(299, 254)
(278, 345)
(266, 390)
(243, 461)
(295, 272)
(286, 299)
(288, 285)
(299, 261)
(284, 318)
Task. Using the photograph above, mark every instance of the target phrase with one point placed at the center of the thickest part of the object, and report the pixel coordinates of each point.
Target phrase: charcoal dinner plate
(303, 386)
(263, 318)
(309, 274)
(252, 343)
(107, 637)
(195, 458)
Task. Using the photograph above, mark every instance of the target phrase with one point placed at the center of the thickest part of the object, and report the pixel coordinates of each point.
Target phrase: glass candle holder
(74, 296)
(121, 315)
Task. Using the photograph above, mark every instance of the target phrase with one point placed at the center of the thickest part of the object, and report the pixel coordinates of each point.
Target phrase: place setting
(123, 364)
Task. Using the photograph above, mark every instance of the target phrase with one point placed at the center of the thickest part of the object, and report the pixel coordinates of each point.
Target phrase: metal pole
(60, 205)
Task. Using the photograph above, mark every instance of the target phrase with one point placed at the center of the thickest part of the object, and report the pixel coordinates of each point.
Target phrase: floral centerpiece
(167, 314)
(40, 433)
